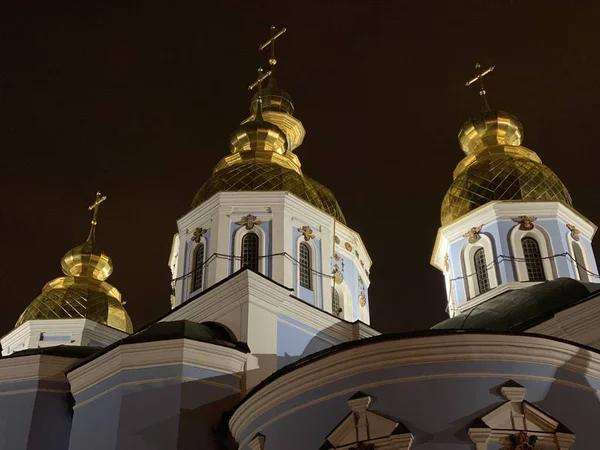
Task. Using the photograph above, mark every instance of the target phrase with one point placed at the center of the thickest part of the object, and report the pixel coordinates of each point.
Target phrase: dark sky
(139, 102)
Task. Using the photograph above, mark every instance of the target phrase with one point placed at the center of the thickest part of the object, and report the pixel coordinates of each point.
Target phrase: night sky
(139, 102)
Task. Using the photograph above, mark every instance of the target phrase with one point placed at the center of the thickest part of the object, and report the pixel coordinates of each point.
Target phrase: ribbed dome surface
(260, 176)
(502, 177)
(76, 302)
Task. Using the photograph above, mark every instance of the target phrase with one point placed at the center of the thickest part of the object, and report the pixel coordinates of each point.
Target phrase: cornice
(408, 351)
(147, 355)
(34, 367)
(508, 286)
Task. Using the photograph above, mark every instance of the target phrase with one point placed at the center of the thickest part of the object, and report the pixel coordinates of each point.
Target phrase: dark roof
(210, 332)
(66, 351)
(521, 309)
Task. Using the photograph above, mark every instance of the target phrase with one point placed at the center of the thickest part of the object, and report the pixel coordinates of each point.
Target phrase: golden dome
(497, 167)
(260, 136)
(269, 176)
(262, 157)
(83, 292)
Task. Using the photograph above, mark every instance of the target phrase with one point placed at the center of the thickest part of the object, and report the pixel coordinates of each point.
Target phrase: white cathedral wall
(281, 215)
(550, 230)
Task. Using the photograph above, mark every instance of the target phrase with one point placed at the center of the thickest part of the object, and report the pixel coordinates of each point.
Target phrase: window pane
(250, 251)
(198, 267)
(481, 271)
(533, 259)
(305, 277)
(335, 303)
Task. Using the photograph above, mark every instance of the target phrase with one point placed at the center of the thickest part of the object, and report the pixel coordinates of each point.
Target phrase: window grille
(305, 269)
(481, 271)
(533, 259)
(198, 267)
(335, 303)
(250, 251)
(580, 262)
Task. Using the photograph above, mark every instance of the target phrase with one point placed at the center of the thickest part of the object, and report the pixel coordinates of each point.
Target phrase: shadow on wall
(184, 416)
(577, 407)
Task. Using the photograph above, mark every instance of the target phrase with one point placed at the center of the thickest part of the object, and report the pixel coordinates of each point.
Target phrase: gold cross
(271, 43)
(479, 76)
(99, 199)
(259, 79)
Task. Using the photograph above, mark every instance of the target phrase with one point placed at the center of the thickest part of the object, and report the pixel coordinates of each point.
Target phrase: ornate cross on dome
(271, 43)
(94, 206)
(259, 79)
(480, 74)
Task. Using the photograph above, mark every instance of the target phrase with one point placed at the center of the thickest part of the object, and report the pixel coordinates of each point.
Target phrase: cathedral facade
(268, 344)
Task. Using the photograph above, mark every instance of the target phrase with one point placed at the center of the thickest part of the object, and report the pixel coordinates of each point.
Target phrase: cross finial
(94, 206)
(271, 44)
(259, 79)
(480, 74)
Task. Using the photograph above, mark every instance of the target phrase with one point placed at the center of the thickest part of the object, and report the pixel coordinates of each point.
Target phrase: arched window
(198, 267)
(481, 271)
(305, 269)
(533, 259)
(580, 262)
(250, 251)
(335, 303)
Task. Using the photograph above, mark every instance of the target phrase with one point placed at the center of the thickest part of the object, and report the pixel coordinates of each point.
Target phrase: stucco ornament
(447, 262)
(574, 231)
(307, 232)
(338, 277)
(521, 441)
(473, 234)
(198, 233)
(525, 222)
(249, 221)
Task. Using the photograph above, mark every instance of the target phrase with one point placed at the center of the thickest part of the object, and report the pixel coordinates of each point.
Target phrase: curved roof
(520, 309)
(210, 332)
(266, 176)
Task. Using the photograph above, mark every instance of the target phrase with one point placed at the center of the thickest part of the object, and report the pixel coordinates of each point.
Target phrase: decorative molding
(35, 367)
(474, 234)
(248, 221)
(147, 355)
(574, 231)
(525, 222)
(408, 351)
(199, 232)
(307, 232)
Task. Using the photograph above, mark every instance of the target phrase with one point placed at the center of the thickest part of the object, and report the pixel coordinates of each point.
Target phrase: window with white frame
(250, 251)
(335, 303)
(481, 271)
(533, 259)
(198, 267)
(305, 274)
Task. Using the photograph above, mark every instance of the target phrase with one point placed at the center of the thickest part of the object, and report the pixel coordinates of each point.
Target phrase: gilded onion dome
(262, 157)
(83, 291)
(498, 167)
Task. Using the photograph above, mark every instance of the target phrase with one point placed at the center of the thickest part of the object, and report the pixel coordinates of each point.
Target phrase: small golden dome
(497, 167)
(489, 129)
(273, 99)
(258, 135)
(83, 292)
(87, 260)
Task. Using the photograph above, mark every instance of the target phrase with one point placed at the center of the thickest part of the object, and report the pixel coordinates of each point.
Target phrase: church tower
(259, 210)
(508, 221)
(80, 308)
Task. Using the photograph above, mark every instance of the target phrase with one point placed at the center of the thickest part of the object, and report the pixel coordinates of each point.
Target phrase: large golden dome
(498, 167)
(262, 157)
(268, 176)
(83, 292)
